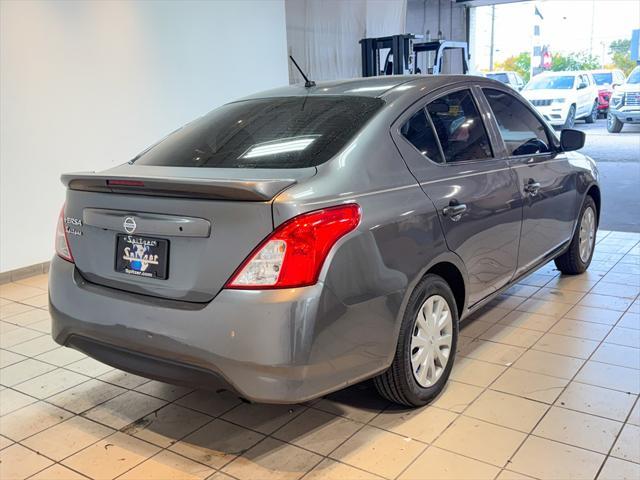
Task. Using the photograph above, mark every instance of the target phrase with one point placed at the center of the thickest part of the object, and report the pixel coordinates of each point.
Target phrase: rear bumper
(279, 346)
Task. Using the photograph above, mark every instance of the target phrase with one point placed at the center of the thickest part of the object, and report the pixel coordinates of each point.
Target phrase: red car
(606, 79)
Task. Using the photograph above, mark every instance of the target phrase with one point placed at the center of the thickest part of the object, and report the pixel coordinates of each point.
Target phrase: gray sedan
(303, 239)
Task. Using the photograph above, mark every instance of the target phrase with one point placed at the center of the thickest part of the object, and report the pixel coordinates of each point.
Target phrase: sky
(568, 26)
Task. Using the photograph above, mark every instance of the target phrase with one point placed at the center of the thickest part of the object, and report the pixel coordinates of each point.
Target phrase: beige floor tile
(531, 321)
(618, 355)
(577, 283)
(39, 301)
(456, 396)
(521, 290)
(507, 410)
(492, 352)
(549, 460)
(475, 328)
(37, 281)
(533, 386)
(163, 390)
(549, 364)
(563, 345)
(67, 438)
(593, 315)
(605, 301)
(123, 379)
(630, 320)
(519, 337)
(616, 290)
(360, 403)
(16, 336)
(5, 442)
(124, 409)
(616, 469)
(111, 456)
(438, 464)
(621, 278)
(36, 346)
(216, 443)
(220, 476)
(475, 372)
(43, 326)
(536, 280)
(595, 400)
(610, 376)
(627, 447)
(9, 358)
(317, 431)
(505, 302)
(167, 425)
(168, 466)
(558, 295)
(580, 329)
(18, 462)
(331, 470)
(61, 356)
(423, 424)
(509, 475)
(378, 451)
(18, 293)
(57, 472)
(272, 460)
(578, 429)
(28, 317)
(51, 383)
(89, 367)
(30, 420)
(628, 337)
(634, 418)
(11, 309)
(262, 418)
(10, 400)
(544, 307)
(85, 395)
(211, 403)
(488, 314)
(481, 440)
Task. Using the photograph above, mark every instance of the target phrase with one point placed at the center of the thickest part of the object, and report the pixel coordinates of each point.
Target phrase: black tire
(613, 124)
(594, 113)
(398, 383)
(571, 117)
(570, 262)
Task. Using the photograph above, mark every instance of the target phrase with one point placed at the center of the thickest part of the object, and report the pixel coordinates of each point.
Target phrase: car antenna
(307, 83)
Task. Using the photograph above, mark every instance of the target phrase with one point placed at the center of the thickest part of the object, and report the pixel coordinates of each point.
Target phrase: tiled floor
(545, 386)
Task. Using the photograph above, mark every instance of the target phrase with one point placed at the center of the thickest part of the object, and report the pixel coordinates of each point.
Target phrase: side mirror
(571, 140)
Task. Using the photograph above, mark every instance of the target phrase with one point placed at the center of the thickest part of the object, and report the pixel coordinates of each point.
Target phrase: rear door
(448, 149)
(545, 178)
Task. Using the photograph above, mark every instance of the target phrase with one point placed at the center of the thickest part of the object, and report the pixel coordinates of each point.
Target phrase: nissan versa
(306, 238)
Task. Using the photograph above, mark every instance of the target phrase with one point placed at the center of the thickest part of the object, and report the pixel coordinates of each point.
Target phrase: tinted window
(419, 132)
(289, 132)
(605, 78)
(459, 127)
(522, 132)
(634, 76)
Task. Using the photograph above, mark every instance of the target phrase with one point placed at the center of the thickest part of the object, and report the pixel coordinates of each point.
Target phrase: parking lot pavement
(618, 158)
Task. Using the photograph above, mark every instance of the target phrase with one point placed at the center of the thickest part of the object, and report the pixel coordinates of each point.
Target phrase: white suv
(564, 97)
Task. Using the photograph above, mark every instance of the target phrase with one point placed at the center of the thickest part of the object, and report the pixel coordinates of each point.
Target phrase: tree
(620, 51)
(574, 61)
(520, 63)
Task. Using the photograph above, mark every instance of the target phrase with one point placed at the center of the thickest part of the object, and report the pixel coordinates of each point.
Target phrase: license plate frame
(142, 256)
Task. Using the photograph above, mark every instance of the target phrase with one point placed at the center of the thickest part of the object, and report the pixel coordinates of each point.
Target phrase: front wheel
(426, 346)
(613, 124)
(594, 113)
(578, 257)
(571, 117)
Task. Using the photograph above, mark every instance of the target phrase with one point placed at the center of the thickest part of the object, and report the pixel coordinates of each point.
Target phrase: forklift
(406, 54)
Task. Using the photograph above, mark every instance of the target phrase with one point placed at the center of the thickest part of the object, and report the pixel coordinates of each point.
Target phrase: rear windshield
(289, 132)
(605, 78)
(501, 77)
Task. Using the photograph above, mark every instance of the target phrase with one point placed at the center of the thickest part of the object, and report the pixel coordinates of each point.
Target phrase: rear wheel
(613, 124)
(578, 257)
(594, 113)
(426, 346)
(571, 117)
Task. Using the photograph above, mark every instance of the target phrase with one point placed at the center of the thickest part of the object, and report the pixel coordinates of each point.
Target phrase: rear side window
(419, 133)
(522, 132)
(459, 127)
(288, 132)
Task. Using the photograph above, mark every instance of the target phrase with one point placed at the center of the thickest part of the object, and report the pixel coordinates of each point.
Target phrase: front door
(545, 178)
(446, 146)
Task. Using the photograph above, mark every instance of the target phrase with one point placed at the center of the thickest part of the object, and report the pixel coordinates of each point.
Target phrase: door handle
(454, 211)
(532, 187)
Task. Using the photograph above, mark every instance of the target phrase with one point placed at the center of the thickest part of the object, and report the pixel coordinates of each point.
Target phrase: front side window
(522, 132)
(459, 127)
(419, 133)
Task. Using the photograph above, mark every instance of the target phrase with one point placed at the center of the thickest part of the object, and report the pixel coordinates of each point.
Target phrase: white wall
(87, 85)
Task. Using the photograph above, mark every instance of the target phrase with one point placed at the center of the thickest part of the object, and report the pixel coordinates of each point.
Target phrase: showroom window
(522, 132)
(459, 127)
(418, 131)
(289, 132)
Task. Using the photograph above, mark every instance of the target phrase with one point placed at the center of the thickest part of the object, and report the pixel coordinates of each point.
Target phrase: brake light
(125, 183)
(62, 243)
(293, 255)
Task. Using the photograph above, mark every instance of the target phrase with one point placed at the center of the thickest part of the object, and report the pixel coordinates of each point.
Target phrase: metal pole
(493, 27)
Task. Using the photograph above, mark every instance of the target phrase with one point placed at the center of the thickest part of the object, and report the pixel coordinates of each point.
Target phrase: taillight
(62, 243)
(293, 255)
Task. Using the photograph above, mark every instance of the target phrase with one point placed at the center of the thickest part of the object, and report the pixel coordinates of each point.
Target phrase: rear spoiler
(218, 189)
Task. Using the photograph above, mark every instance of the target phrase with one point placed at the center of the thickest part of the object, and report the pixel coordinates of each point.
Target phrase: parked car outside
(513, 79)
(564, 97)
(304, 239)
(606, 81)
(624, 106)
